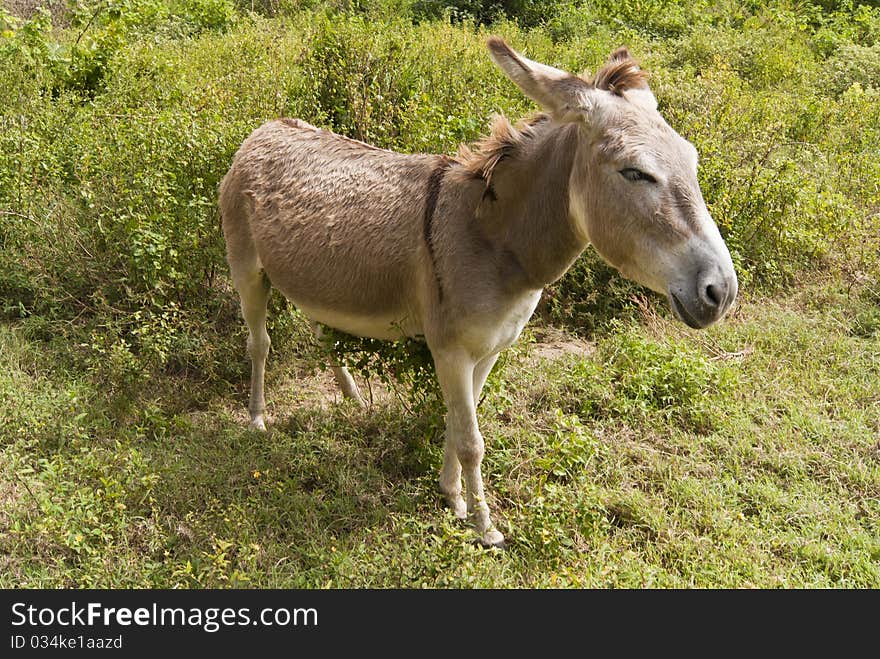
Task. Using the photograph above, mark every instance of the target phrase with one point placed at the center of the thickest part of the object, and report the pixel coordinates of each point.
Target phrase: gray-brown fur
(341, 225)
(385, 244)
(519, 227)
(315, 201)
(503, 141)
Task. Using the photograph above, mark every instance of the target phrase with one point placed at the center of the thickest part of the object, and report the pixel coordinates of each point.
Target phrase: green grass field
(652, 456)
(623, 449)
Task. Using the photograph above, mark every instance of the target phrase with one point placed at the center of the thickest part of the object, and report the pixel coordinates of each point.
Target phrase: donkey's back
(336, 225)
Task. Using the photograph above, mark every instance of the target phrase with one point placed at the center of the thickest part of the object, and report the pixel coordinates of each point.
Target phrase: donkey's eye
(633, 174)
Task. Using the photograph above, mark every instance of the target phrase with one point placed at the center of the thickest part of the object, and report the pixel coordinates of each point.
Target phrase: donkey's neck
(529, 217)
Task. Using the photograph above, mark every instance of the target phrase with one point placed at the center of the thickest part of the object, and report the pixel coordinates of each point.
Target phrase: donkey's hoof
(492, 538)
(257, 423)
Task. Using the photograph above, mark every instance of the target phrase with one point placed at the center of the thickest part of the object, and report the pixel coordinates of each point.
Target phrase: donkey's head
(633, 189)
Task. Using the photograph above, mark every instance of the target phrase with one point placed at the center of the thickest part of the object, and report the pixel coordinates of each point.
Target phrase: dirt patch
(552, 343)
(318, 389)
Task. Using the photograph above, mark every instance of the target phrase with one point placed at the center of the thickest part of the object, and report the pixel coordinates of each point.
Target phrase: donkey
(458, 249)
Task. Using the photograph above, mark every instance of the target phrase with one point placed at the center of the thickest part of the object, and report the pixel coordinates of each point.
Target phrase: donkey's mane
(619, 74)
(503, 141)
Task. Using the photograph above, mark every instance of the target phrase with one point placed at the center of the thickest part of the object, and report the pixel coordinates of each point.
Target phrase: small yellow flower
(257, 473)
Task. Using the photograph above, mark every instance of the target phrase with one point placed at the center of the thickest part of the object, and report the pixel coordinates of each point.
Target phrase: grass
(623, 449)
(744, 456)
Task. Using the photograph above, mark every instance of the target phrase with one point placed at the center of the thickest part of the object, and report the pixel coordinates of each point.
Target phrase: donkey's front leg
(455, 372)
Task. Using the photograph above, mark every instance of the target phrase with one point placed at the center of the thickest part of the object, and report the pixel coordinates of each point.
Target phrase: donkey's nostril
(713, 295)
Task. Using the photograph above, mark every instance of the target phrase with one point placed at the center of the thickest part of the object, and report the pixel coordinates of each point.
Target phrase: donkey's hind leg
(341, 375)
(253, 287)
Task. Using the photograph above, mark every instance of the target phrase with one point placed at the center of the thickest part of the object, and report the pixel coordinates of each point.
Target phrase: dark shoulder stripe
(435, 183)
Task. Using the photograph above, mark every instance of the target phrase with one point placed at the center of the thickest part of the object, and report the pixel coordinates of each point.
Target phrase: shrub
(116, 132)
(853, 64)
(528, 13)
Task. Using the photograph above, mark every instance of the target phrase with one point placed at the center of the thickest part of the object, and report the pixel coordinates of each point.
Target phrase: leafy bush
(117, 130)
(406, 366)
(589, 295)
(528, 13)
(853, 64)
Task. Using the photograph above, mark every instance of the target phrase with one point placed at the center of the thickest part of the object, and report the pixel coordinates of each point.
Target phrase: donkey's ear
(622, 76)
(566, 96)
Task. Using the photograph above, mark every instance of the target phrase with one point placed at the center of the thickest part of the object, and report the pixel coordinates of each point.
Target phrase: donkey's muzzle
(706, 300)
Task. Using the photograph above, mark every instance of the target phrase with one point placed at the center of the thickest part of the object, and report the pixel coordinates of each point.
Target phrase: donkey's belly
(385, 326)
(357, 291)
